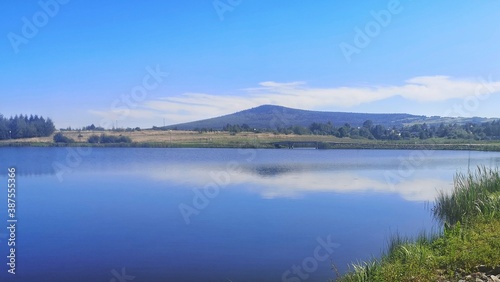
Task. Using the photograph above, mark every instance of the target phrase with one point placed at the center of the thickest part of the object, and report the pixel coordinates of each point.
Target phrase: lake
(136, 214)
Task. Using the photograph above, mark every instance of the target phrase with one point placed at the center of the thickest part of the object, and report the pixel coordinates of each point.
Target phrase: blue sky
(140, 63)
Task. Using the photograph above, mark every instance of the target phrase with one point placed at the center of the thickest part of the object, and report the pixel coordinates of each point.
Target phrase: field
(177, 138)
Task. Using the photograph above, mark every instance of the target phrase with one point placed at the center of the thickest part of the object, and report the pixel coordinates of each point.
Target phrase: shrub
(60, 138)
(93, 139)
(106, 139)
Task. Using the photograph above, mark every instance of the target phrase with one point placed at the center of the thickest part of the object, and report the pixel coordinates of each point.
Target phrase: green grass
(471, 237)
(474, 194)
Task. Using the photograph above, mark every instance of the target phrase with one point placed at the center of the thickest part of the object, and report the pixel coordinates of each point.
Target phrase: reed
(470, 215)
(474, 194)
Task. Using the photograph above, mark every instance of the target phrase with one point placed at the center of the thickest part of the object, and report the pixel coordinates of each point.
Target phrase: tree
(368, 124)
(4, 128)
(300, 130)
(24, 126)
(343, 132)
(378, 131)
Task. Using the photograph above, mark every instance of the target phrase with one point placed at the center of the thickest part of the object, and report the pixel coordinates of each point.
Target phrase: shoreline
(495, 147)
(465, 250)
(221, 139)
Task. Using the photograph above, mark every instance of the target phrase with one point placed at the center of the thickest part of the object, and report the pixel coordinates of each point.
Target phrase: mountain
(272, 117)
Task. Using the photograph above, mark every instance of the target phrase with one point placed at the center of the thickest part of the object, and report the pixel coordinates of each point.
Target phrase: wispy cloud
(194, 106)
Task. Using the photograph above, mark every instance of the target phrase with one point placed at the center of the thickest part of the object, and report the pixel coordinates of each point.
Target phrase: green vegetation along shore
(221, 139)
(468, 248)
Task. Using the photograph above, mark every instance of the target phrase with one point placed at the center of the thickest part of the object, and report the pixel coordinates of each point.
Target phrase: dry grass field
(175, 137)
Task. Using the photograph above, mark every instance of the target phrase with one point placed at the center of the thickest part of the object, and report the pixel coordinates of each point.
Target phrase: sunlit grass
(470, 237)
(475, 194)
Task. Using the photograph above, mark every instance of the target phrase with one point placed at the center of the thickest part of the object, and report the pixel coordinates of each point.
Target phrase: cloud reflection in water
(295, 181)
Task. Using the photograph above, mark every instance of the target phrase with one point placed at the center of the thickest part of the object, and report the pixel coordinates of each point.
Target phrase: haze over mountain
(273, 117)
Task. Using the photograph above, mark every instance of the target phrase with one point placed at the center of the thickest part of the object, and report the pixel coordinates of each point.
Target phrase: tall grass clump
(470, 238)
(474, 194)
(362, 272)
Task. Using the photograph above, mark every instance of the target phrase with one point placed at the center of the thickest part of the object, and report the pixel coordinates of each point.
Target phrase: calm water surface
(215, 214)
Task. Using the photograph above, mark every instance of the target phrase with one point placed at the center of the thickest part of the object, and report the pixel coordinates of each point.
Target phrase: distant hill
(272, 117)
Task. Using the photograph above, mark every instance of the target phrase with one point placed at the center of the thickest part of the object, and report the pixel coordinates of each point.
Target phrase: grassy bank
(142, 145)
(469, 243)
(261, 145)
(192, 139)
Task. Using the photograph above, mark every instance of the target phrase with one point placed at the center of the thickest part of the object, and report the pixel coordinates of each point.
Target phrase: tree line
(92, 127)
(477, 131)
(24, 126)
